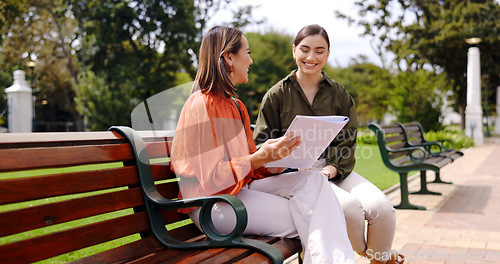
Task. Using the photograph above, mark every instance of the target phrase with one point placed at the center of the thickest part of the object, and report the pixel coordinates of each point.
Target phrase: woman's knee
(380, 208)
(352, 208)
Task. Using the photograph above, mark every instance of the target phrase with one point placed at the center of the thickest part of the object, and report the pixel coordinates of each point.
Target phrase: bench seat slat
(288, 247)
(125, 253)
(234, 255)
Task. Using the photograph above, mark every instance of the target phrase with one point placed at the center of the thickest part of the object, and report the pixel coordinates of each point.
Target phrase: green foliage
(102, 106)
(418, 97)
(368, 84)
(137, 47)
(432, 33)
(453, 133)
(9, 10)
(367, 137)
(6, 80)
(272, 61)
(42, 32)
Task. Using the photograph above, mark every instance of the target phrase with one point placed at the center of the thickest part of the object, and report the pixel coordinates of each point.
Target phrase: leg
(438, 179)
(423, 185)
(316, 213)
(405, 202)
(379, 213)
(259, 213)
(354, 217)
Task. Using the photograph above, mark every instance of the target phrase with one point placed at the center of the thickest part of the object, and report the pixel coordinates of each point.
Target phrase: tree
(272, 61)
(138, 47)
(432, 33)
(41, 31)
(419, 96)
(369, 85)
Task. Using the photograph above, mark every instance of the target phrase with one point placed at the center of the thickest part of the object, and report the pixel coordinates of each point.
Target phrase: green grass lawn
(369, 165)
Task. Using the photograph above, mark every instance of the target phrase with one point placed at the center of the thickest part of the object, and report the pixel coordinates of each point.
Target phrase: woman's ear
(293, 51)
(228, 58)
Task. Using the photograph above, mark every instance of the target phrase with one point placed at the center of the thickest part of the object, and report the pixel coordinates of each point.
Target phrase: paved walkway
(463, 224)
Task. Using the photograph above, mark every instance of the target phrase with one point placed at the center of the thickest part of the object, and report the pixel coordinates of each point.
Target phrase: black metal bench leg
(423, 185)
(405, 202)
(438, 179)
(301, 261)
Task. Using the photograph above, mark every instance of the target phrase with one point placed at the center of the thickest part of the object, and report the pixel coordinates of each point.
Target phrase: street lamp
(473, 111)
(31, 65)
(473, 41)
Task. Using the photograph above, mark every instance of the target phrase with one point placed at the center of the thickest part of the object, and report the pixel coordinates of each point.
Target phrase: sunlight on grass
(41, 172)
(369, 165)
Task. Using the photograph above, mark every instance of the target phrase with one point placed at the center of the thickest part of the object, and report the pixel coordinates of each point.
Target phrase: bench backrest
(61, 192)
(391, 138)
(414, 133)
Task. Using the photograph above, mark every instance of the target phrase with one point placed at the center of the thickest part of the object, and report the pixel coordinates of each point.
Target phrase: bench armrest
(442, 141)
(428, 146)
(416, 154)
(155, 202)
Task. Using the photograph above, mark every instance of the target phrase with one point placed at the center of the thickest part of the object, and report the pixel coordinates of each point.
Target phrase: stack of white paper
(316, 133)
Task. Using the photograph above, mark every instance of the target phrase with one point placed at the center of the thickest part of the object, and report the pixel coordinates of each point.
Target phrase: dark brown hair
(311, 30)
(213, 71)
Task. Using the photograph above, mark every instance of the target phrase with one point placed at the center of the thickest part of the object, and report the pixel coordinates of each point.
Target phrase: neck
(308, 80)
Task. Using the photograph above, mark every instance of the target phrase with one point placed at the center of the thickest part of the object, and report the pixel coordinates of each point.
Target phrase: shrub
(366, 136)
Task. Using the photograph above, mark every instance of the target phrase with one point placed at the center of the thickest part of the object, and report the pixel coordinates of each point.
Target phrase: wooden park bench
(398, 155)
(444, 147)
(100, 197)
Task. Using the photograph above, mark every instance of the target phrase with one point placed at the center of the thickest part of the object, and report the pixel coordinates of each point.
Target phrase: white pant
(360, 201)
(289, 205)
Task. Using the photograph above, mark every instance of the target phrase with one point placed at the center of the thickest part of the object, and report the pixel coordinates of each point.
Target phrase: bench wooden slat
(17, 140)
(54, 244)
(37, 158)
(125, 253)
(56, 213)
(158, 149)
(26, 189)
(288, 247)
(235, 255)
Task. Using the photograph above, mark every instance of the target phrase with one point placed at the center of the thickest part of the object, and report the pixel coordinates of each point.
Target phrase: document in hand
(316, 133)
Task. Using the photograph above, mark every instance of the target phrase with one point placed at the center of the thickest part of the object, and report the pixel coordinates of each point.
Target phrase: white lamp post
(473, 111)
(20, 103)
(497, 121)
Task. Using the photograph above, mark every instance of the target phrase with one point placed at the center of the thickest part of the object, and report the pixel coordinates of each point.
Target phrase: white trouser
(297, 203)
(361, 200)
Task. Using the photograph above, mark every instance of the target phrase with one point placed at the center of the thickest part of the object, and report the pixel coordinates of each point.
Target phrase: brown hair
(213, 71)
(311, 30)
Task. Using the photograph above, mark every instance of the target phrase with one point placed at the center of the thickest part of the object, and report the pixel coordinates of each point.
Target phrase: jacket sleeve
(268, 124)
(341, 152)
(210, 152)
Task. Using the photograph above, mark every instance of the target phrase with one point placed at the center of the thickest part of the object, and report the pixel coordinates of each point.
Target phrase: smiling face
(239, 62)
(311, 54)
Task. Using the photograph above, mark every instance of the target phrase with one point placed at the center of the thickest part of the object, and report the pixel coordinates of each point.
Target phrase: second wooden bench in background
(398, 155)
